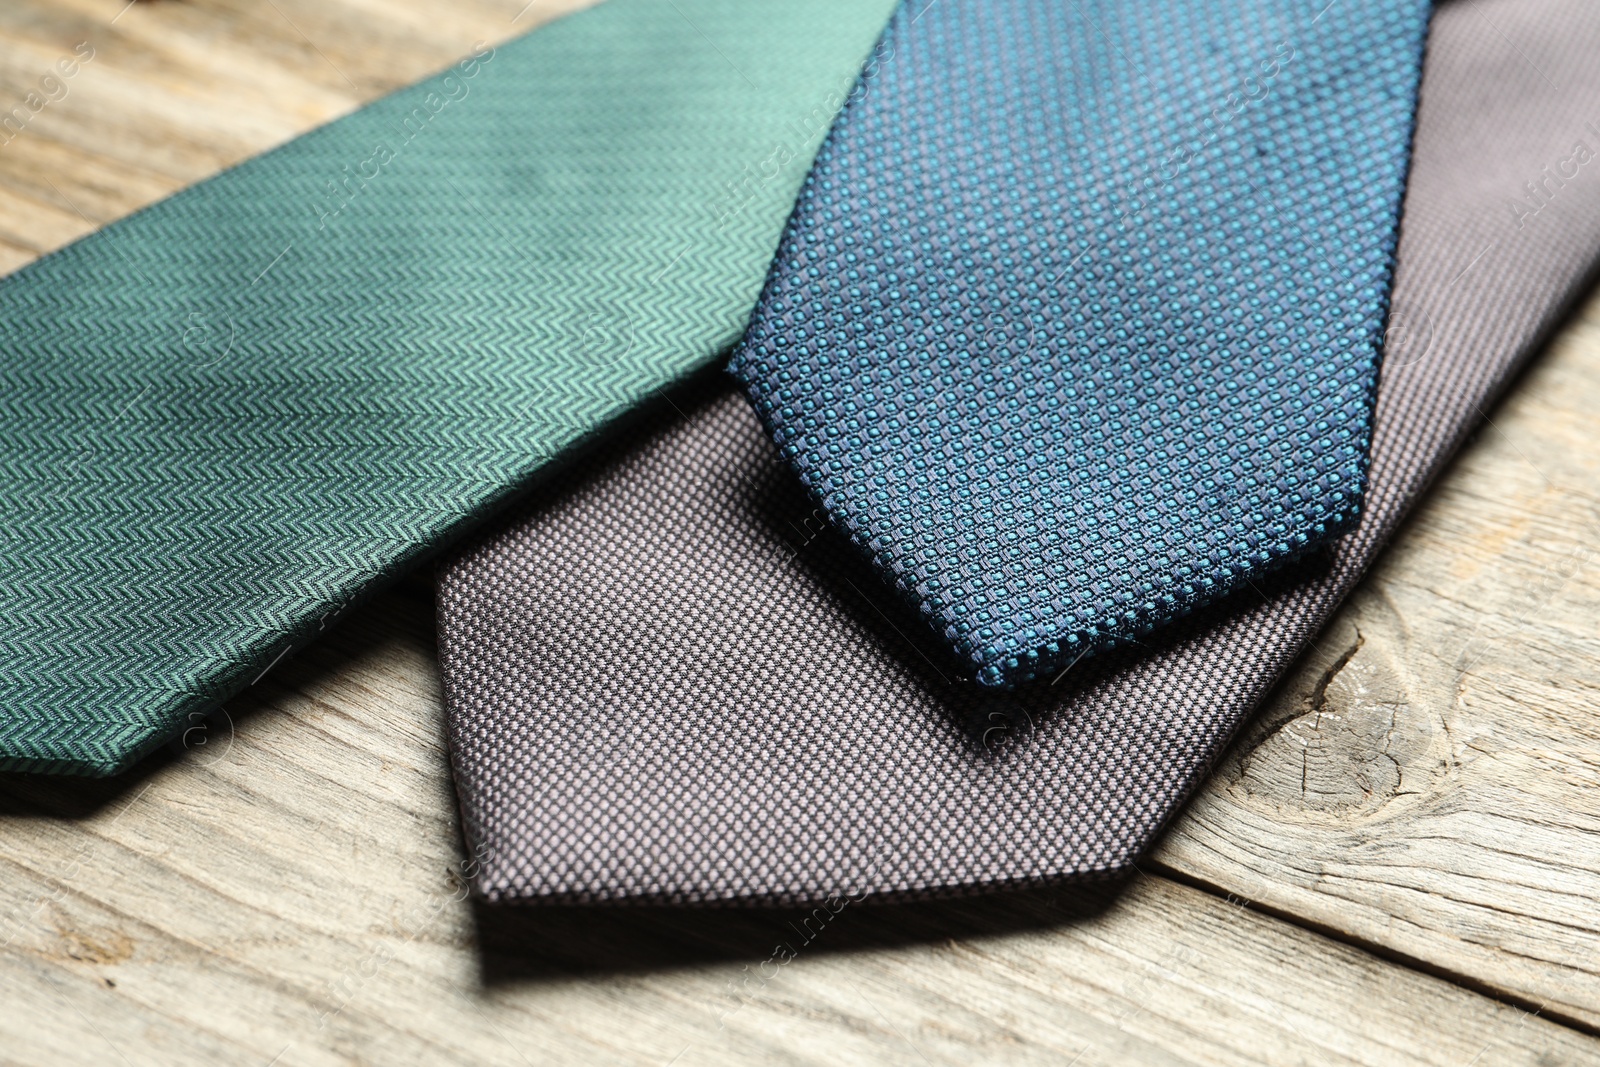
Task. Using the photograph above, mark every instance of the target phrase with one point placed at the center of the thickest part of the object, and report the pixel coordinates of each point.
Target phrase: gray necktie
(668, 680)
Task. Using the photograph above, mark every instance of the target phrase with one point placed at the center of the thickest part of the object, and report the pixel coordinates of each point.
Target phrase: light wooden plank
(175, 92)
(1429, 781)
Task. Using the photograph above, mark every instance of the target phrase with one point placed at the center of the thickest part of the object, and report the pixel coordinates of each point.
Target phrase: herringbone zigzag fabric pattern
(225, 417)
(1076, 324)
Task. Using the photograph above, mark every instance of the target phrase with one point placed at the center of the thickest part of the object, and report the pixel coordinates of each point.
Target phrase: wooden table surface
(1398, 862)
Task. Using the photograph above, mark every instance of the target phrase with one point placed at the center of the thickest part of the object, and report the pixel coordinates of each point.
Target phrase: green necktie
(225, 417)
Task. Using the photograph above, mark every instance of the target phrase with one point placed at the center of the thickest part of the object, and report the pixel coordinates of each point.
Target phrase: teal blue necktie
(226, 417)
(1076, 325)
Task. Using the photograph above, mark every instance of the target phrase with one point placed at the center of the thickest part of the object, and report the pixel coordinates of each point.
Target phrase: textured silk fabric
(226, 416)
(1076, 324)
(670, 681)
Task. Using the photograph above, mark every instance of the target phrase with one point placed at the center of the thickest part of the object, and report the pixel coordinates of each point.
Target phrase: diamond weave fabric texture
(668, 681)
(1076, 324)
(226, 416)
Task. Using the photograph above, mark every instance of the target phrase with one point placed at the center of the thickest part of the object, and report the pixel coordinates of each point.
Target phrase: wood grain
(285, 885)
(1429, 782)
(178, 90)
